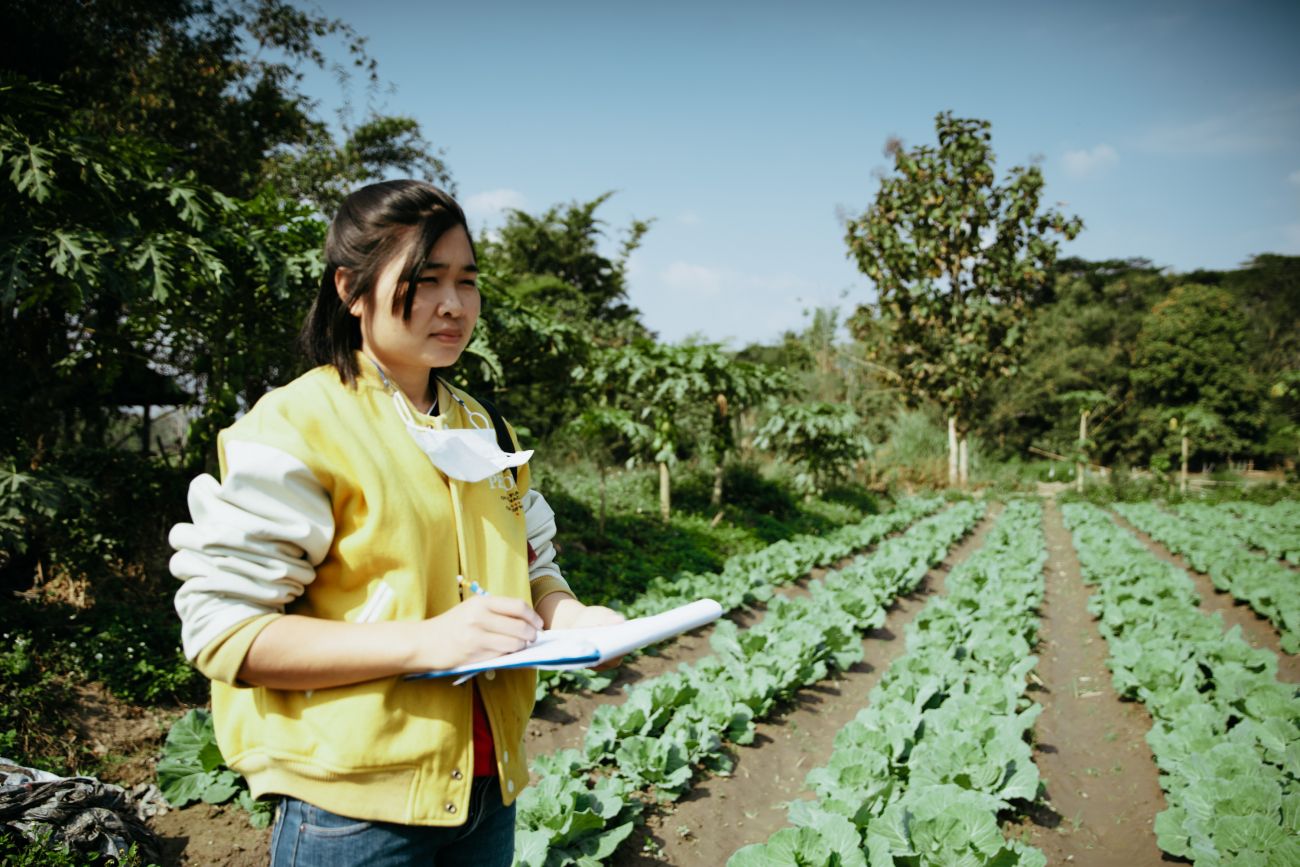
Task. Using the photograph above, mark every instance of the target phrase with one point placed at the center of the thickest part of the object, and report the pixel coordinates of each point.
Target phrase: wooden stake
(665, 492)
(1182, 479)
(1080, 468)
(963, 465)
(952, 451)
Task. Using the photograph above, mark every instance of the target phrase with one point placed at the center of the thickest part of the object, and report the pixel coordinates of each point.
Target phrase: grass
(636, 545)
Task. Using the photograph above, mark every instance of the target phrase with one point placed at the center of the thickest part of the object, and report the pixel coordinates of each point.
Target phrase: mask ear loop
(403, 411)
(476, 419)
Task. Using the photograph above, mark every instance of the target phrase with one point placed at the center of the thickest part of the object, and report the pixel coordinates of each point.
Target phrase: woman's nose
(449, 303)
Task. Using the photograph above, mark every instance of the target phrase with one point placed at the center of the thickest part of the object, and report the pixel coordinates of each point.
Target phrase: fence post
(1081, 466)
(1182, 479)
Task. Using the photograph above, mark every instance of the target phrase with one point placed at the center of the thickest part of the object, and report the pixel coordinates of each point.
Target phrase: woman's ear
(343, 285)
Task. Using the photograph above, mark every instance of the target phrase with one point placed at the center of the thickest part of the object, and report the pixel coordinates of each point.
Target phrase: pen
(473, 586)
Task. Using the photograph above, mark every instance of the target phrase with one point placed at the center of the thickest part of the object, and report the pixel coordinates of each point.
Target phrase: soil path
(722, 814)
(1102, 785)
(1256, 630)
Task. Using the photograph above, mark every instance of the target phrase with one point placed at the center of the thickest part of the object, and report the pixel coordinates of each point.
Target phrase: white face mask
(467, 454)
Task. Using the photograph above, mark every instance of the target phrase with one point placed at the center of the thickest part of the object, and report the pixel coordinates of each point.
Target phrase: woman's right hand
(479, 628)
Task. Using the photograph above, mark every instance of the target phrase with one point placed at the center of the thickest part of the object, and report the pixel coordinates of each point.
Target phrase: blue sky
(746, 130)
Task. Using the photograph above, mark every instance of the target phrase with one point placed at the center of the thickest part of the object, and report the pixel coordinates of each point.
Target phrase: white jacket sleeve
(539, 519)
(254, 543)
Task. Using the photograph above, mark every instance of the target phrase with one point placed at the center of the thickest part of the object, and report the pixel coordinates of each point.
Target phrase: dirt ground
(1101, 784)
(722, 814)
(1091, 750)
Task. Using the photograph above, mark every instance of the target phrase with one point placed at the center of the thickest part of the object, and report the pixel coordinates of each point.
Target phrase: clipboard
(561, 649)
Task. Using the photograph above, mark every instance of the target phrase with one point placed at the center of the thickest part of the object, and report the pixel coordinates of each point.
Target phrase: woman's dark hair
(372, 225)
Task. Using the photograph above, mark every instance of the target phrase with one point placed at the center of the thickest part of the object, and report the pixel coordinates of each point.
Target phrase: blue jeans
(307, 836)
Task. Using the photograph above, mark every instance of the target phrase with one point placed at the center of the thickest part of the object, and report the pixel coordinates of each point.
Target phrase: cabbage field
(950, 683)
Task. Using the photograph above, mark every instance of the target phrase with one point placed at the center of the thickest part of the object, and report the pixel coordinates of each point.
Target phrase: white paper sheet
(589, 646)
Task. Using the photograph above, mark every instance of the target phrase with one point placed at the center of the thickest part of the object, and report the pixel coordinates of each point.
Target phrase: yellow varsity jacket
(328, 508)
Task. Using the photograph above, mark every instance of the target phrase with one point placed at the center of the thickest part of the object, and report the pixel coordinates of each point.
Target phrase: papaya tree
(957, 259)
(822, 440)
(669, 387)
(603, 431)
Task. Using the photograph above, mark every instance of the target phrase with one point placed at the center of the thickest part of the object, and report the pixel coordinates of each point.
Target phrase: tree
(551, 260)
(1079, 343)
(681, 392)
(551, 299)
(821, 439)
(214, 82)
(1191, 375)
(602, 431)
(144, 253)
(957, 260)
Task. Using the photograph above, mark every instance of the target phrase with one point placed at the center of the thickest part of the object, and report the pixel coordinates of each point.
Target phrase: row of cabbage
(748, 578)
(1285, 514)
(651, 745)
(1225, 732)
(1273, 529)
(920, 775)
(751, 577)
(1269, 587)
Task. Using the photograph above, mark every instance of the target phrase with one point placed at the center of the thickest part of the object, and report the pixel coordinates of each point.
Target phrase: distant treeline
(1153, 356)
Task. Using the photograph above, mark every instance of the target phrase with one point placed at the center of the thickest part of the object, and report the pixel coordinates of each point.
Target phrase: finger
(491, 645)
(501, 643)
(512, 627)
(516, 608)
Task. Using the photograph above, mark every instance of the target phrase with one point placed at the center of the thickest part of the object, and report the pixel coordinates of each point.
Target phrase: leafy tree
(184, 108)
(216, 83)
(823, 440)
(552, 261)
(523, 358)
(957, 259)
(1191, 375)
(684, 393)
(603, 432)
(1079, 343)
(551, 300)
(145, 258)
(88, 228)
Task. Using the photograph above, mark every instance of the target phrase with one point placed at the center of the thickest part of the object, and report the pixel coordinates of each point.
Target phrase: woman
(355, 506)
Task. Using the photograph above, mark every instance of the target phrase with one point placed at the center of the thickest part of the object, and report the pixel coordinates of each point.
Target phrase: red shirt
(485, 759)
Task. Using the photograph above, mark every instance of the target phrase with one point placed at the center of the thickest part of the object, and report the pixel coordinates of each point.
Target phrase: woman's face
(444, 310)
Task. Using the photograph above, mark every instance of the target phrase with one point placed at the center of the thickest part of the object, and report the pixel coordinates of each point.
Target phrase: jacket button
(505, 757)
(456, 774)
(490, 675)
(451, 808)
(510, 786)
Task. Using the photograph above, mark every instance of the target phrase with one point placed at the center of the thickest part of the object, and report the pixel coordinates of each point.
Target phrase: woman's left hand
(569, 613)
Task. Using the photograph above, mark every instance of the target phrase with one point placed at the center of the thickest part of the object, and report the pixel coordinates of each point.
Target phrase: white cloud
(1081, 163)
(1294, 178)
(683, 298)
(488, 206)
(689, 218)
(1261, 124)
(695, 278)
